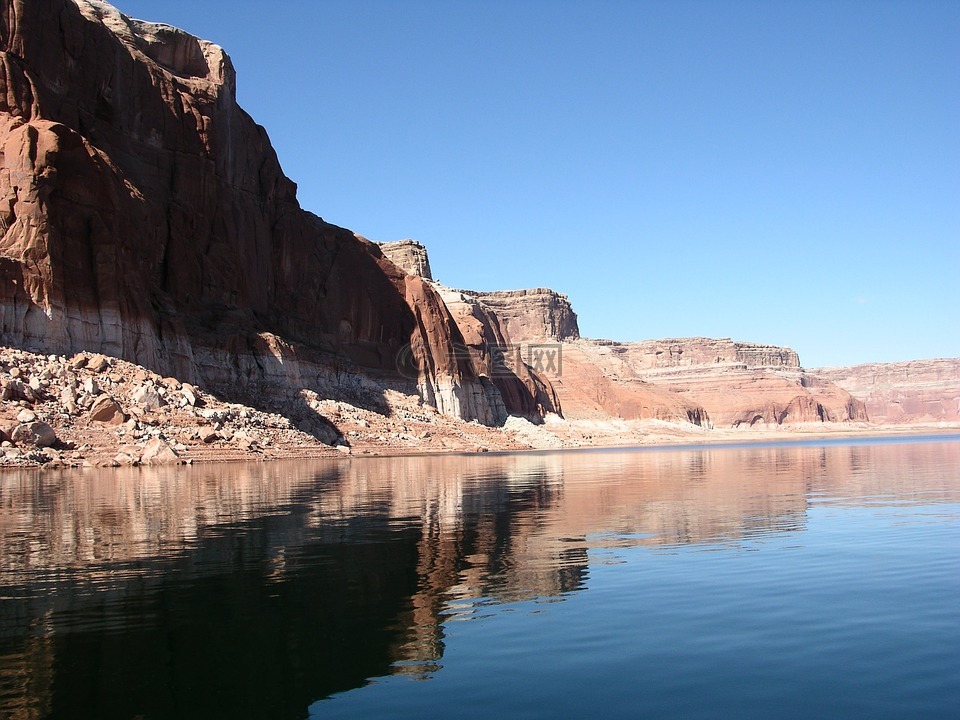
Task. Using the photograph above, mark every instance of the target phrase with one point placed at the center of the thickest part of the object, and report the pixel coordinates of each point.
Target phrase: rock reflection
(254, 590)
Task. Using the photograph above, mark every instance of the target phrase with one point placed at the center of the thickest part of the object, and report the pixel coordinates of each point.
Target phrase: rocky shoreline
(91, 410)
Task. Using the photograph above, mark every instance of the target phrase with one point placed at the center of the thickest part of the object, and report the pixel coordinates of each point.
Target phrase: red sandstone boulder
(106, 410)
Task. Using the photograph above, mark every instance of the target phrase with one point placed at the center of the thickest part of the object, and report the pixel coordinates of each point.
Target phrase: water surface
(771, 581)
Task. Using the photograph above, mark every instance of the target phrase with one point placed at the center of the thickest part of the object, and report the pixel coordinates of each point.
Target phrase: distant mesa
(914, 392)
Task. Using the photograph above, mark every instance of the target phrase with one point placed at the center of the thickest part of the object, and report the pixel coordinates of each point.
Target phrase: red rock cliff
(144, 214)
(916, 392)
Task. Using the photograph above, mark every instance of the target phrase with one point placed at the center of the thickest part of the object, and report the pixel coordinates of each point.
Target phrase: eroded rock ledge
(409, 255)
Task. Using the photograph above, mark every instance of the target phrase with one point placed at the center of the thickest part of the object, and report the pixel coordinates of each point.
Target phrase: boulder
(107, 410)
(190, 394)
(97, 364)
(39, 434)
(158, 452)
(207, 434)
(148, 398)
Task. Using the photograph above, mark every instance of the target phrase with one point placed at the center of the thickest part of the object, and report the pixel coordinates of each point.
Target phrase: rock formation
(530, 315)
(916, 392)
(409, 255)
(717, 382)
(524, 391)
(145, 215)
(590, 390)
(667, 354)
(511, 385)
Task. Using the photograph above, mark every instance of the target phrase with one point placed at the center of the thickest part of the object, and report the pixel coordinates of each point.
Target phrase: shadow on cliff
(138, 231)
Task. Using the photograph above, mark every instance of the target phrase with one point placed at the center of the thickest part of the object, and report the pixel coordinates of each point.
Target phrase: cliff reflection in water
(254, 590)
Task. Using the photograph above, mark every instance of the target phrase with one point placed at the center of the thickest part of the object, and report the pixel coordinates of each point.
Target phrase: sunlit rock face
(524, 390)
(915, 392)
(144, 214)
(507, 384)
(708, 382)
(409, 255)
(534, 314)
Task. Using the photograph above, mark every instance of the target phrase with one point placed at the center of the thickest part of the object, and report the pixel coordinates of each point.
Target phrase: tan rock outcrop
(409, 255)
(530, 315)
(731, 384)
(915, 392)
(523, 390)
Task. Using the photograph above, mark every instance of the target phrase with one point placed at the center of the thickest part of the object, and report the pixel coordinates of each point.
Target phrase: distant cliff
(535, 314)
(669, 354)
(409, 255)
(722, 383)
(915, 392)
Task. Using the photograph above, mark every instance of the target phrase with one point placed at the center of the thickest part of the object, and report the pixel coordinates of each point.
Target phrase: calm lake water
(803, 580)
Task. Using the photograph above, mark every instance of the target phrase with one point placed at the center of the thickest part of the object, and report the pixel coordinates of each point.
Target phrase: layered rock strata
(915, 392)
(524, 390)
(650, 356)
(530, 315)
(590, 390)
(145, 215)
(719, 383)
(409, 255)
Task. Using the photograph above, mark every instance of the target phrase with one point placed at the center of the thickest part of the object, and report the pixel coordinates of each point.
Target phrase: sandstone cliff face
(916, 392)
(530, 315)
(510, 385)
(591, 389)
(731, 384)
(408, 255)
(666, 354)
(145, 215)
(523, 390)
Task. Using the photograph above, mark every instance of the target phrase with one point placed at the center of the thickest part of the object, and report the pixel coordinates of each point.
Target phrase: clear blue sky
(777, 172)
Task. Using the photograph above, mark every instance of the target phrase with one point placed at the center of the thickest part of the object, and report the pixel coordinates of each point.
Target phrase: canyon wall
(713, 382)
(534, 314)
(524, 390)
(915, 392)
(145, 215)
(649, 356)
